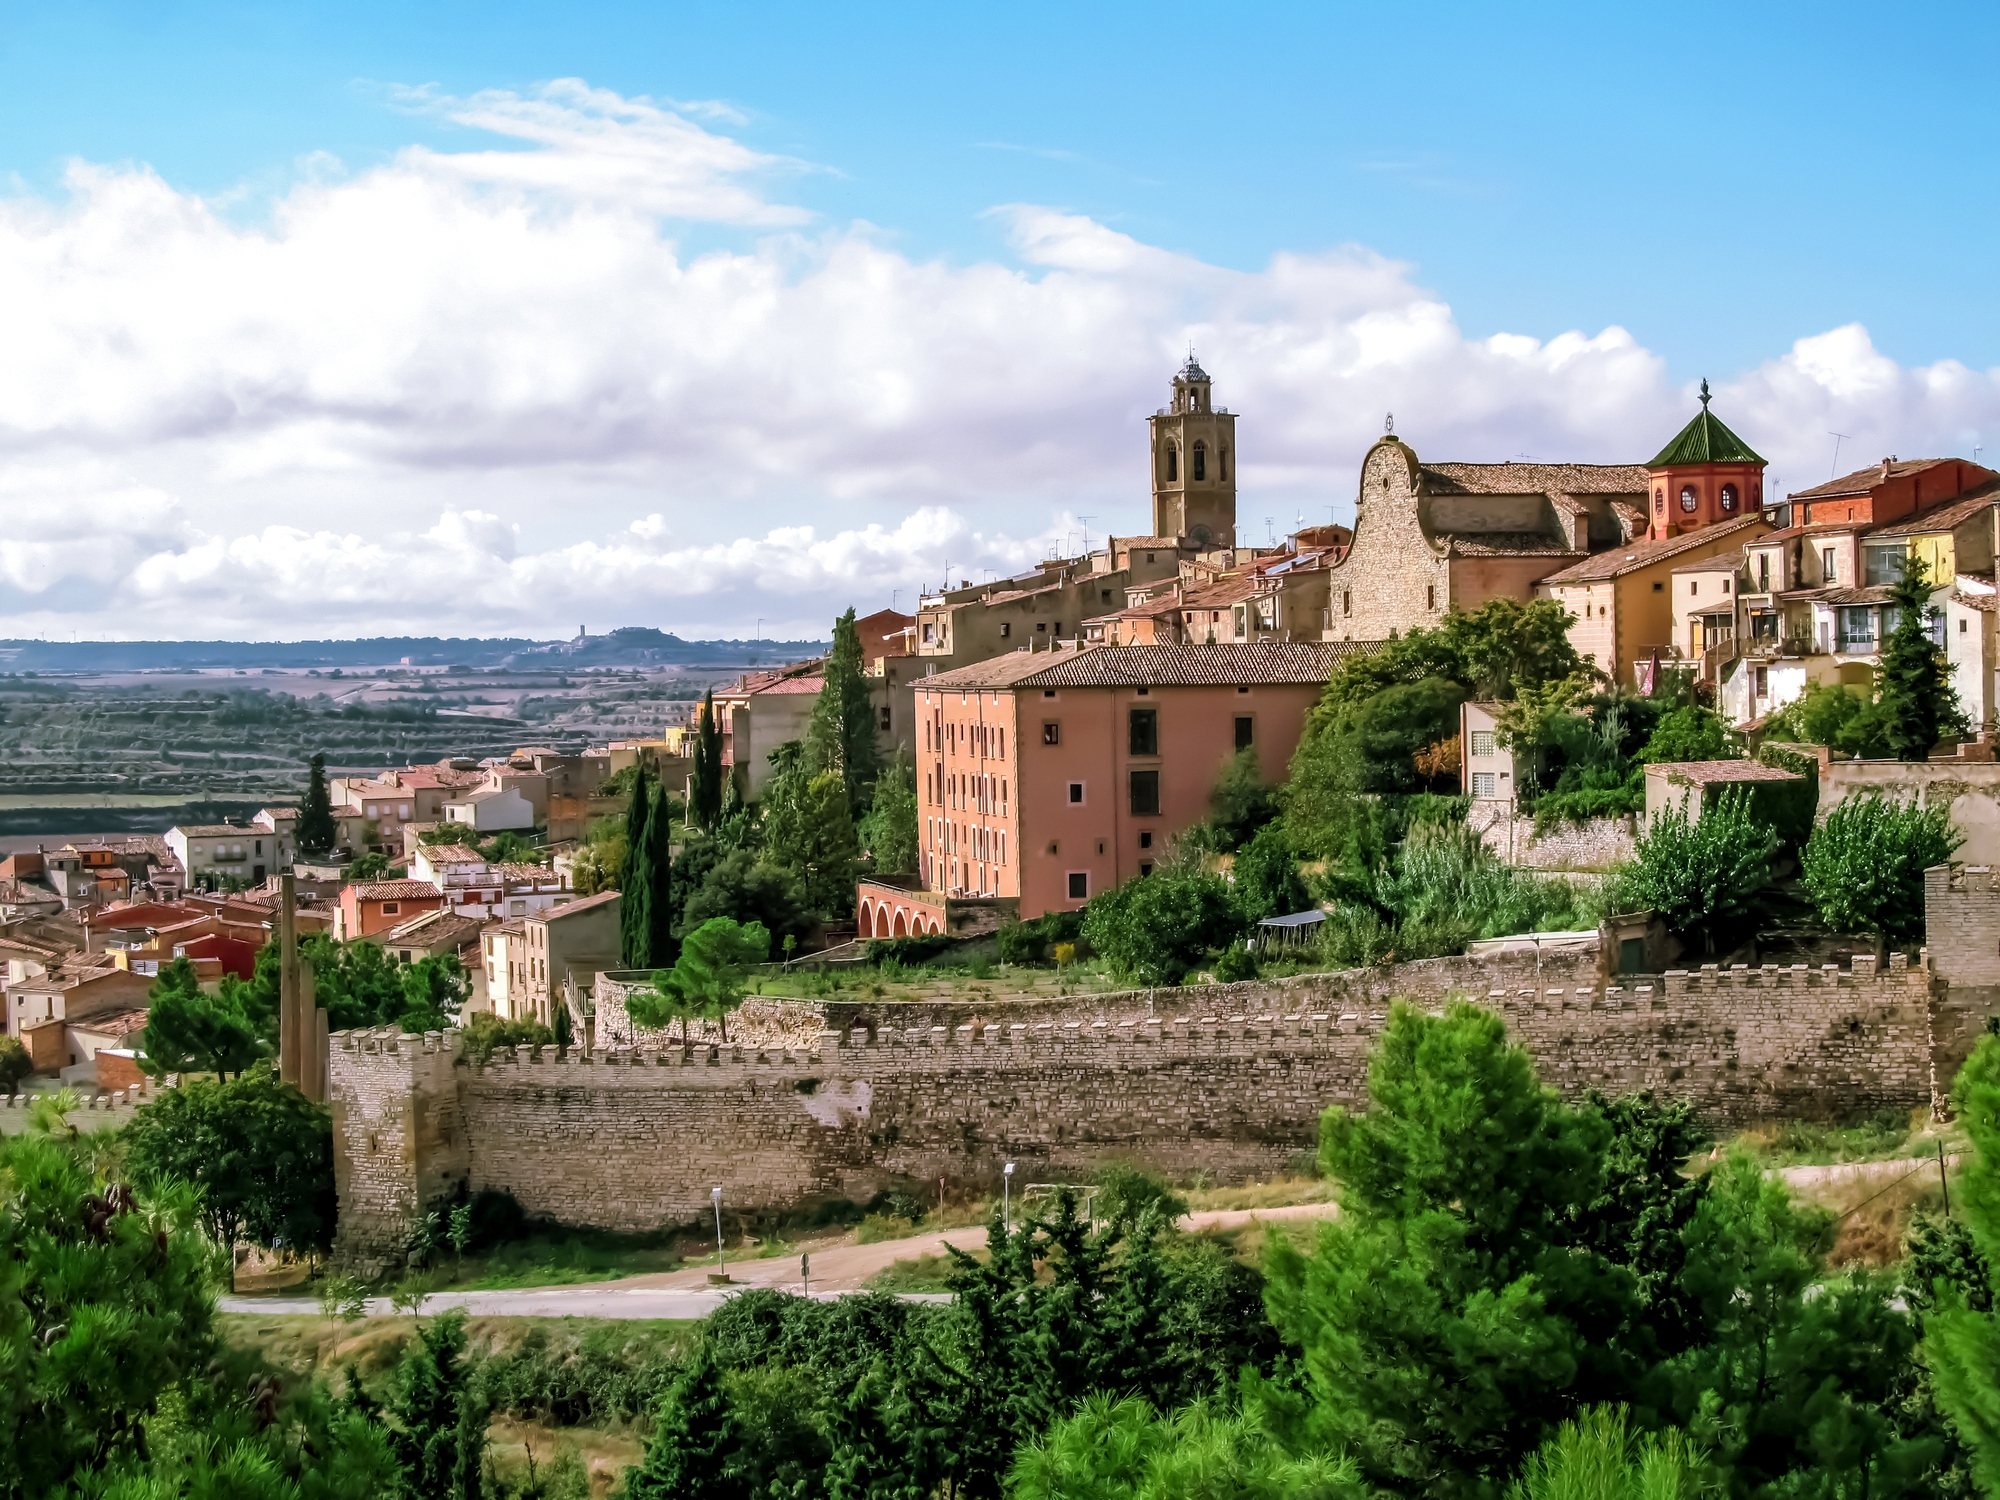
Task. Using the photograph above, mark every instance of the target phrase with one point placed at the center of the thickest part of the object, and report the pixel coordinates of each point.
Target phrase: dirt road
(837, 1269)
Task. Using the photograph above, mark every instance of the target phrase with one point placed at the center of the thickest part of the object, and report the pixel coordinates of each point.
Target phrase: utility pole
(715, 1197)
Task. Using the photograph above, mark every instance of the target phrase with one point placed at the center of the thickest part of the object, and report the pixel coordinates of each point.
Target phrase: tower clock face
(1203, 535)
(1688, 501)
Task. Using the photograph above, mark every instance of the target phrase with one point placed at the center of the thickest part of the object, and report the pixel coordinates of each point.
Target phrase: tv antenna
(1838, 439)
(1270, 530)
(1086, 520)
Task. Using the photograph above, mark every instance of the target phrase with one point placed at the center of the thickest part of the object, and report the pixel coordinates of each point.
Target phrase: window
(1200, 461)
(1173, 464)
(1882, 565)
(1729, 499)
(930, 632)
(1961, 624)
(1143, 736)
(1244, 691)
(1659, 588)
(1347, 601)
(1826, 565)
(1076, 793)
(1006, 629)
(1659, 502)
(391, 908)
(1693, 587)
(884, 725)
(1725, 585)
(1689, 500)
(1145, 794)
(1145, 838)
(1149, 557)
(1043, 625)
(1079, 885)
(1430, 596)
(1052, 733)
(1763, 572)
(1246, 731)
(1484, 784)
(1145, 869)
(1482, 742)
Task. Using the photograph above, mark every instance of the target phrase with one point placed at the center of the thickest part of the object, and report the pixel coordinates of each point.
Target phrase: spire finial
(1704, 395)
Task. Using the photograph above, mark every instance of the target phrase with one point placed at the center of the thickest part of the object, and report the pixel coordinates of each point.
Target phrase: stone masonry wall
(634, 1140)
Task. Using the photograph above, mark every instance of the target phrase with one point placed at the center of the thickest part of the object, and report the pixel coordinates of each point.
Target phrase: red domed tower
(1704, 477)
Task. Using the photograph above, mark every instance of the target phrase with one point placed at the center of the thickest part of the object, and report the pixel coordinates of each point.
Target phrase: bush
(1864, 867)
(1236, 964)
(1126, 1192)
(910, 952)
(1265, 879)
(1701, 876)
(1160, 926)
(1034, 941)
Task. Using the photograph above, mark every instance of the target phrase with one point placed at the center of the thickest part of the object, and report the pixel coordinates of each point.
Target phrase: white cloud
(492, 389)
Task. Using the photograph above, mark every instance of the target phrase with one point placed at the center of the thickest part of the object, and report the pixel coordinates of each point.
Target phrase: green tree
(370, 865)
(635, 907)
(600, 863)
(1118, 1449)
(1492, 653)
(695, 1439)
(1691, 733)
(1159, 927)
(15, 1064)
(261, 1152)
(1240, 803)
(1864, 866)
(1447, 1320)
(316, 831)
(1917, 700)
(358, 982)
(744, 888)
(809, 830)
(564, 1034)
(1597, 1456)
(889, 831)
(841, 734)
(715, 961)
(434, 990)
(1353, 751)
(440, 1413)
(1833, 714)
(1701, 876)
(1266, 879)
(107, 1300)
(705, 785)
(188, 1031)
(1961, 1345)
(657, 871)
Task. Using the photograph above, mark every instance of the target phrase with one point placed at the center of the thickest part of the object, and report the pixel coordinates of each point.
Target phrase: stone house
(1693, 785)
(492, 809)
(1434, 537)
(503, 956)
(1487, 768)
(210, 851)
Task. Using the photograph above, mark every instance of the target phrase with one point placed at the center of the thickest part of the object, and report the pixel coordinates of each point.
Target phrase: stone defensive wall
(1232, 1085)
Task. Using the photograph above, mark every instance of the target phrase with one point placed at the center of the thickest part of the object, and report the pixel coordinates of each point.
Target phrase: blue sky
(710, 312)
(1715, 178)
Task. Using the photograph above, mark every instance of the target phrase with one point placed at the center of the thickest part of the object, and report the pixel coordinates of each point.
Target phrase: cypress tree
(635, 914)
(317, 831)
(705, 788)
(1918, 702)
(695, 1439)
(659, 879)
(841, 736)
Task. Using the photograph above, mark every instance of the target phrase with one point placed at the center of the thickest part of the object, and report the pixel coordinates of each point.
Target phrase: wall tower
(1194, 464)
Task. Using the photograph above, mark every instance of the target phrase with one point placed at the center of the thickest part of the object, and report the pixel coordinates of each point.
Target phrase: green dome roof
(1704, 441)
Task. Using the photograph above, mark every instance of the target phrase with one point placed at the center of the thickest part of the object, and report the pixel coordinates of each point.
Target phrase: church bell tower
(1194, 464)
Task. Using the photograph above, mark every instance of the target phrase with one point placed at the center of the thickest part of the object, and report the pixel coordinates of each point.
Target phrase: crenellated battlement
(634, 1137)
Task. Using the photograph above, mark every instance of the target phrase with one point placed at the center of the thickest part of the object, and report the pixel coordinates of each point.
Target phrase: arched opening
(1222, 463)
(1689, 500)
(1173, 464)
(1200, 461)
(899, 930)
(1729, 499)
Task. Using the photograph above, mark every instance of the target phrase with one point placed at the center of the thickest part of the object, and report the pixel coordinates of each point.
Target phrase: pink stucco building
(1045, 777)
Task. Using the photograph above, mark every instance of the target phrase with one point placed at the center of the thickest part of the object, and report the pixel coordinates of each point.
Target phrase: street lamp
(715, 1197)
(1007, 1196)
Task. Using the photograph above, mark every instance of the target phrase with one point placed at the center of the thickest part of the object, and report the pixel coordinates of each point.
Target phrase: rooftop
(1634, 555)
(394, 890)
(1863, 481)
(1233, 663)
(1704, 441)
(1948, 517)
(588, 903)
(1535, 479)
(1720, 772)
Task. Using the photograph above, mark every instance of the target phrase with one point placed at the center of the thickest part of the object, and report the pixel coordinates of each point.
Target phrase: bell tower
(1194, 464)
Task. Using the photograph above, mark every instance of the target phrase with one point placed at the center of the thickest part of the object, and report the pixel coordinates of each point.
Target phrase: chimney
(1885, 468)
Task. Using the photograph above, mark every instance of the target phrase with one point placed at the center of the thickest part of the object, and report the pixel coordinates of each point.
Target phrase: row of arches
(887, 919)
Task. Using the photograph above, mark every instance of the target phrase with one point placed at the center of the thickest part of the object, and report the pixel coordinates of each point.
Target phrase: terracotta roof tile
(1236, 662)
(1535, 479)
(394, 890)
(1609, 564)
(1720, 772)
(1862, 481)
(1944, 517)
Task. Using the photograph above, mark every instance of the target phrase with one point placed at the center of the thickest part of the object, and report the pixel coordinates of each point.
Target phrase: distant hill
(632, 646)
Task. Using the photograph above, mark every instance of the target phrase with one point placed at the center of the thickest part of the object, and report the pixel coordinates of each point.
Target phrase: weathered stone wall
(1969, 789)
(635, 1139)
(1581, 848)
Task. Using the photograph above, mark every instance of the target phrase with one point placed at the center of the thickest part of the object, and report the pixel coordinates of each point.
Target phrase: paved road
(839, 1268)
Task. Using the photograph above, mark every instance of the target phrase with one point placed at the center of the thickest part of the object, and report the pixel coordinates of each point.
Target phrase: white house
(491, 809)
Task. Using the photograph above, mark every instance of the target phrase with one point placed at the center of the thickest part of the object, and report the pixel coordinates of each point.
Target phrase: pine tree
(889, 832)
(1918, 702)
(705, 788)
(317, 832)
(658, 876)
(635, 916)
(440, 1418)
(695, 1440)
(841, 736)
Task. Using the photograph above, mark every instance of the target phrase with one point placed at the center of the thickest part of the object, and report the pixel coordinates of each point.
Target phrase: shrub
(1864, 867)
(1236, 963)
(1032, 942)
(910, 952)
(1158, 927)
(1125, 1193)
(1701, 875)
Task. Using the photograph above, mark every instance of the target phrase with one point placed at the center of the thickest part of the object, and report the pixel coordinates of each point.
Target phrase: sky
(364, 319)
